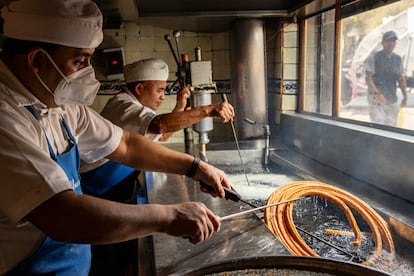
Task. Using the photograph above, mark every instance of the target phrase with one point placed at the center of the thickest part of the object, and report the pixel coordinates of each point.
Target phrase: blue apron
(99, 181)
(60, 258)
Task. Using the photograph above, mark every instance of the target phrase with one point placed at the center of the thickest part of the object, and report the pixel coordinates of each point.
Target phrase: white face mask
(79, 88)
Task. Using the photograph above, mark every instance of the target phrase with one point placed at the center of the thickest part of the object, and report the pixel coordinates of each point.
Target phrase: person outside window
(384, 70)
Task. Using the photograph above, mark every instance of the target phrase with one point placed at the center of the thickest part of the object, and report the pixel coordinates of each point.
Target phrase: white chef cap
(72, 23)
(146, 69)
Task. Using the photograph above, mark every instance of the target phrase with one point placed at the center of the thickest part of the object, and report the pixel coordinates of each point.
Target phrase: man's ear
(33, 59)
(138, 88)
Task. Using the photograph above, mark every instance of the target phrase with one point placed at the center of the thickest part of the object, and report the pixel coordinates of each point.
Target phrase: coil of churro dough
(279, 218)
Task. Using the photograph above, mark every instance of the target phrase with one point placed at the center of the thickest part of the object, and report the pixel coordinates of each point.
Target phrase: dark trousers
(118, 259)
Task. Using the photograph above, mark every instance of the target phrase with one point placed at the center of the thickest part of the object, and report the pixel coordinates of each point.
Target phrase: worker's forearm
(85, 219)
(70, 217)
(175, 121)
(157, 157)
(143, 154)
(121, 222)
(178, 108)
(108, 222)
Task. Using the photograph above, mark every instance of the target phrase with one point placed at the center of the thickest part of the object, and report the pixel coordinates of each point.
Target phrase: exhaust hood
(196, 16)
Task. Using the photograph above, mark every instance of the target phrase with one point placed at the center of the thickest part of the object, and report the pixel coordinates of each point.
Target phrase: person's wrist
(194, 167)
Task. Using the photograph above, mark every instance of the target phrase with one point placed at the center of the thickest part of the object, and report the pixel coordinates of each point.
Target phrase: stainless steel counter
(246, 236)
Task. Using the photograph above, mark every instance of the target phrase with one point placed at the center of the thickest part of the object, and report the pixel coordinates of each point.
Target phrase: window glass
(377, 66)
(320, 37)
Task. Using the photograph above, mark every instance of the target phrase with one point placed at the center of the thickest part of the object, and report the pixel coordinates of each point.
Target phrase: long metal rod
(224, 97)
(239, 151)
(257, 209)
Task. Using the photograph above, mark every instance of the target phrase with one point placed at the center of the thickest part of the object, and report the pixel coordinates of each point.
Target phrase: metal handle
(229, 193)
(168, 39)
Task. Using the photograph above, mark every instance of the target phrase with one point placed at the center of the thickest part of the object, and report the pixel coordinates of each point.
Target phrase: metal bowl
(285, 265)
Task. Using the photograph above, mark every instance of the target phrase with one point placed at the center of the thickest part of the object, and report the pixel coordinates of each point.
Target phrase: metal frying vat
(285, 265)
(246, 243)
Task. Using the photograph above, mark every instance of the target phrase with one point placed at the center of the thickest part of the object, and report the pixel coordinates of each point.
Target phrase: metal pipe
(266, 149)
(247, 41)
(267, 144)
(203, 149)
(189, 140)
(249, 121)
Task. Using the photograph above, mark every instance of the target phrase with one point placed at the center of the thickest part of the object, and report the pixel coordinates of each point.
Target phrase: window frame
(342, 11)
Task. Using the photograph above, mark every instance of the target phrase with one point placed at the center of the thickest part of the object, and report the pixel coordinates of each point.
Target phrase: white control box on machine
(201, 72)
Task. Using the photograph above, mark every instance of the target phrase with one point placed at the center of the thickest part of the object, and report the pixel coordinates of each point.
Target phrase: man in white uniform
(135, 111)
(46, 81)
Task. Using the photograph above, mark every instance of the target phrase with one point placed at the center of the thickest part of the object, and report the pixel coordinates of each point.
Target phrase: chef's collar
(44, 111)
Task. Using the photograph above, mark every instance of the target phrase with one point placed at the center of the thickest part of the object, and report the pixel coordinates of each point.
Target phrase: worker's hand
(222, 110)
(182, 97)
(212, 176)
(192, 220)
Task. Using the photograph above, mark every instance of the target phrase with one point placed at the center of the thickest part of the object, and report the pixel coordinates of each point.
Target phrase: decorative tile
(290, 86)
(111, 88)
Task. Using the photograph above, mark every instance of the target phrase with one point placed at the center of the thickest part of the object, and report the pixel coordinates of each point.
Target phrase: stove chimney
(247, 44)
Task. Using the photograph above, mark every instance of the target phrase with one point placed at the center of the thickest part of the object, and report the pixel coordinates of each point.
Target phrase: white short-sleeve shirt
(126, 111)
(29, 175)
